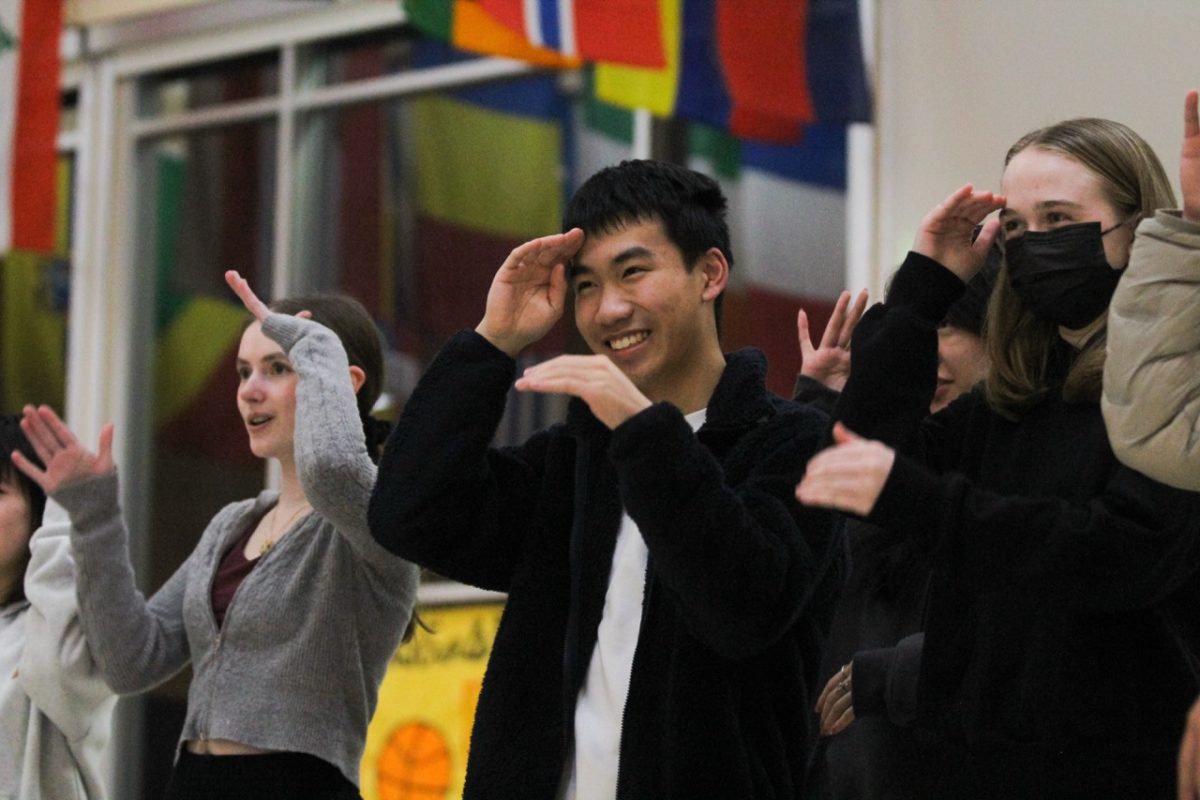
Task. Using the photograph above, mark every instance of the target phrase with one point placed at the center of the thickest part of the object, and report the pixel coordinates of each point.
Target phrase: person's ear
(357, 377)
(716, 273)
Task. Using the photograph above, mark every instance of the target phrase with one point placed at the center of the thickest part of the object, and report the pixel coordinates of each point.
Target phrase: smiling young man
(667, 597)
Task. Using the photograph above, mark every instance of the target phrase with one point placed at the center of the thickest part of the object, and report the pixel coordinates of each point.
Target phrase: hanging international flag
(761, 76)
(483, 170)
(29, 70)
(619, 31)
(467, 26)
(762, 55)
(34, 184)
(33, 329)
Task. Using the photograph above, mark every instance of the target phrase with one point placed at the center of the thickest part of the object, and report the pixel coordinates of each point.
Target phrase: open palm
(64, 459)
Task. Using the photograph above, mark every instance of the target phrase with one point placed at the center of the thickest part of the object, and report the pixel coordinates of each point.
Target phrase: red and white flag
(620, 31)
(30, 31)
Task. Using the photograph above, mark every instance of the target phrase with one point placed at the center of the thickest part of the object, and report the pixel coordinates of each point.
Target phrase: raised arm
(895, 354)
(444, 499)
(1151, 398)
(136, 643)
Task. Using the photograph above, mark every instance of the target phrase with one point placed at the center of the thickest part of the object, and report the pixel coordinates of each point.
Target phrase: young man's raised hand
(529, 292)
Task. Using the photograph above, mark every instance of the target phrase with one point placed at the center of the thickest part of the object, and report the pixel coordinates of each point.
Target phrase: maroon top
(232, 571)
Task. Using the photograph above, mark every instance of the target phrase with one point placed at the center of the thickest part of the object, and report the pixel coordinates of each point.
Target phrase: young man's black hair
(690, 206)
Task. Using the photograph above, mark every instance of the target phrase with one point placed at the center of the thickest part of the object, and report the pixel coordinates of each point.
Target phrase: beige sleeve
(1151, 399)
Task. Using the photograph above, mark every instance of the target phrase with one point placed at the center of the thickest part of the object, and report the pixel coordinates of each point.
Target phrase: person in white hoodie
(55, 709)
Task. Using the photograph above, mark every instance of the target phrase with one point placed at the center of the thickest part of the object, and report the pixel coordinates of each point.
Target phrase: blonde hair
(1022, 347)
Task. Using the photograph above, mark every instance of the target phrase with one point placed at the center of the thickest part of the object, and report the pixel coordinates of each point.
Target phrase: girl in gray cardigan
(287, 610)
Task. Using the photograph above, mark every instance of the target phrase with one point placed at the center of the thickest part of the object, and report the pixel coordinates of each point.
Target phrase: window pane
(361, 57)
(208, 85)
(68, 112)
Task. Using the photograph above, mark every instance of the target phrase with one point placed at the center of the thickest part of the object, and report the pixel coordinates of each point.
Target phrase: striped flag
(763, 74)
(29, 74)
(471, 147)
(619, 31)
(467, 26)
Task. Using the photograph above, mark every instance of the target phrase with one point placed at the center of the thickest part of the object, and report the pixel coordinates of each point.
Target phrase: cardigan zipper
(219, 630)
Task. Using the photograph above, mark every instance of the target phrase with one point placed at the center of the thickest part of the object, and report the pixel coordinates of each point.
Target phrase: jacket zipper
(575, 570)
(647, 591)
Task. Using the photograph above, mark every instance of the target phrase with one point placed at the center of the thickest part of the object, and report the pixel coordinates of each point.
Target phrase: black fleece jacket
(740, 584)
(1063, 605)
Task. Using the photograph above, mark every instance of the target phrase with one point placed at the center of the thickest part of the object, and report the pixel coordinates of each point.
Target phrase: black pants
(271, 776)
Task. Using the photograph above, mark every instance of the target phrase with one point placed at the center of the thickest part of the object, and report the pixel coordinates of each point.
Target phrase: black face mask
(1062, 274)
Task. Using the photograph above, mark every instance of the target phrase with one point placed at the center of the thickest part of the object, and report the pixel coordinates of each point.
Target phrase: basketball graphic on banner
(414, 764)
(418, 742)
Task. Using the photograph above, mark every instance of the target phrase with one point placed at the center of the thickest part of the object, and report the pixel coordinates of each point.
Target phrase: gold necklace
(270, 542)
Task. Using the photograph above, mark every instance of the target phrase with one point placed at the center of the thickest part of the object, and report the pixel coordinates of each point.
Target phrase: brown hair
(1022, 347)
(13, 438)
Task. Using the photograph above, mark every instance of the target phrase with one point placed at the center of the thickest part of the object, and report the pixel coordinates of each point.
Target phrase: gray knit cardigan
(309, 633)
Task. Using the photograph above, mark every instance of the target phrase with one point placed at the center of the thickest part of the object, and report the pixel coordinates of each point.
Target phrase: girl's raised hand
(241, 287)
(66, 460)
(829, 360)
(946, 232)
(1189, 159)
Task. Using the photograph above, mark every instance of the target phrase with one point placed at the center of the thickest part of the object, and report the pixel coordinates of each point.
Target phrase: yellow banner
(417, 742)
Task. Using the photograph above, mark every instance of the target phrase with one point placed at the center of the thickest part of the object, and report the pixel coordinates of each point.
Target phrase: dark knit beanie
(967, 312)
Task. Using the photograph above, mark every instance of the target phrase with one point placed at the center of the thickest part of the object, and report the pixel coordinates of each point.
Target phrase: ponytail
(376, 432)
